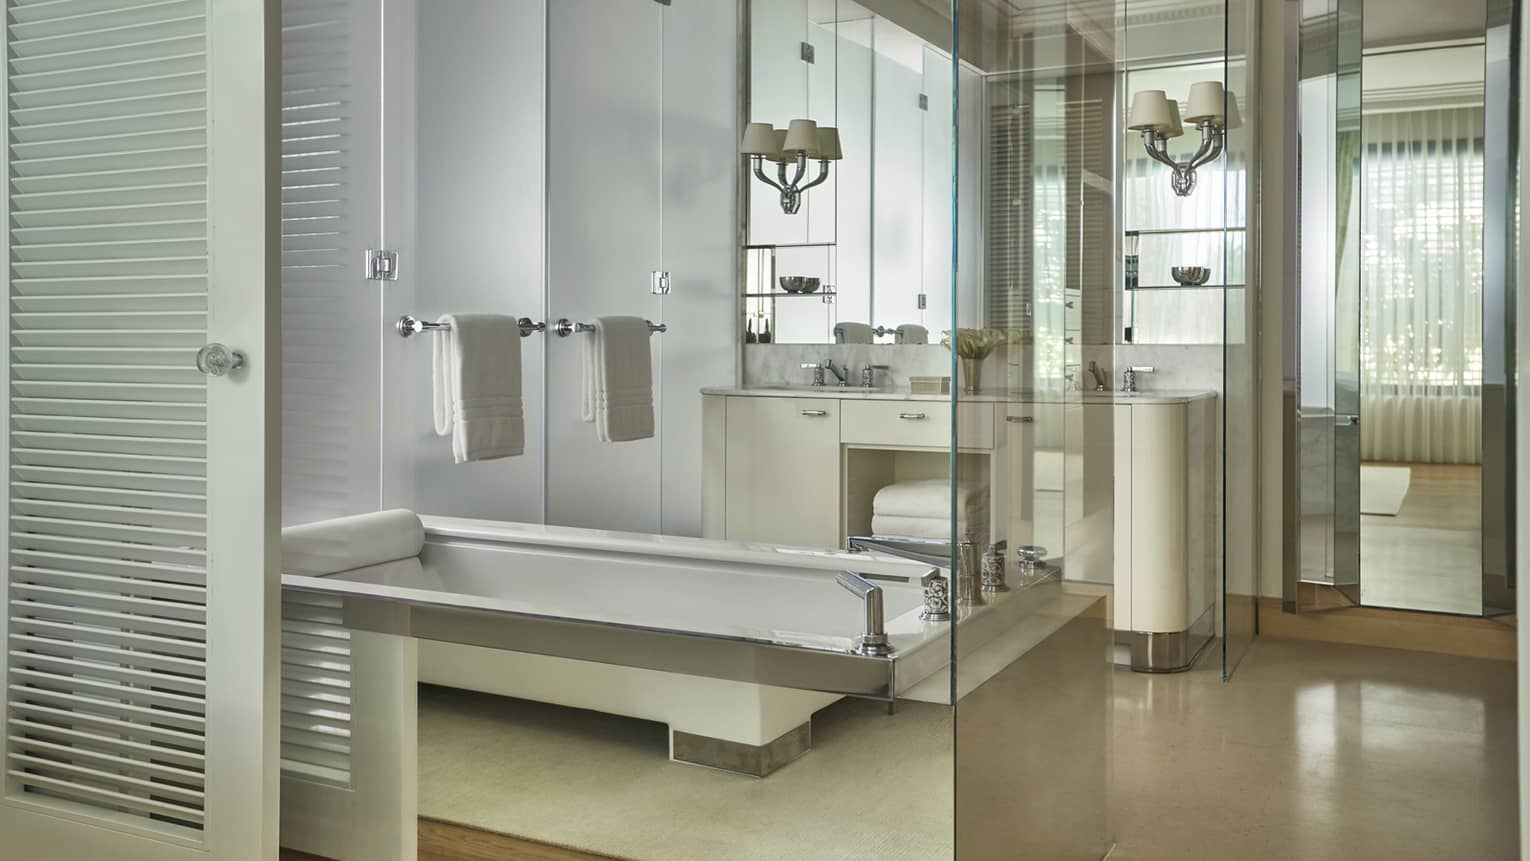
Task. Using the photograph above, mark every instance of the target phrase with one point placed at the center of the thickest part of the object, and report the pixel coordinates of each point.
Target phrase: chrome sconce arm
(791, 189)
(1156, 143)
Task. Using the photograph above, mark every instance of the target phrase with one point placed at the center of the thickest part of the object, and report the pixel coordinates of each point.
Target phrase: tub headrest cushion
(347, 543)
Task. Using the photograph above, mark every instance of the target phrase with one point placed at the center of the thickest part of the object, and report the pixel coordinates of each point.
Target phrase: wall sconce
(791, 147)
(1157, 117)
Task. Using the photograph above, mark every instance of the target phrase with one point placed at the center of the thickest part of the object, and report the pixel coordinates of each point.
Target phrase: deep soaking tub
(727, 643)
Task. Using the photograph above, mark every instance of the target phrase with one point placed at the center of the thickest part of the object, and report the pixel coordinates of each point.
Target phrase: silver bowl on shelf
(1190, 276)
(799, 283)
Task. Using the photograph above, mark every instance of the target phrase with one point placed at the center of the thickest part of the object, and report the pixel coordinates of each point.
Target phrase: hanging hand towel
(477, 383)
(853, 333)
(618, 379)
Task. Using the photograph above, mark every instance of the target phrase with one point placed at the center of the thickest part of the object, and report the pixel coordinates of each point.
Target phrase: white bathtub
(706, 617)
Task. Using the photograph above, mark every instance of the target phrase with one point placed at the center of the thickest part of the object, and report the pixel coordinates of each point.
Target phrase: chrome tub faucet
(874, 640)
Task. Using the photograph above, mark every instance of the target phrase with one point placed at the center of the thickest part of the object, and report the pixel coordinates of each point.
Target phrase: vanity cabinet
(781, 470)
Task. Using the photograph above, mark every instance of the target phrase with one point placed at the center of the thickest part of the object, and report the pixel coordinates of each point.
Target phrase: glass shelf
(771, 245)
(790, 295)
(1142, 287)
(1170, 231)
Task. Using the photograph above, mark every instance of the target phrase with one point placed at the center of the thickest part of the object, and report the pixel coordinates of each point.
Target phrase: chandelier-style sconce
(791, 148)
(1157, 117)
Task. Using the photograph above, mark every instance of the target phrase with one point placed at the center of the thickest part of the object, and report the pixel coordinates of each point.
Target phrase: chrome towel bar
(408, 325)
(565, 327)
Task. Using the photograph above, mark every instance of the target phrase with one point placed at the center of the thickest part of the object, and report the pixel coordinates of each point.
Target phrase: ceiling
(1401, 22)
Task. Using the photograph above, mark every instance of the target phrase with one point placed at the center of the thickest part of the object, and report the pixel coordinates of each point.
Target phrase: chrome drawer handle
(815, 413)
(916, 417)
(1020, 420)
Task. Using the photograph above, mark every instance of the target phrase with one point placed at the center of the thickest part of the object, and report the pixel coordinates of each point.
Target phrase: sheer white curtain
(1421, 286)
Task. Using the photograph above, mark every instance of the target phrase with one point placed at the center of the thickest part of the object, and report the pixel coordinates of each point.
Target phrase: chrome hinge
(924, 102)
(381, 265)
(659, 283)
(924, 301)
(807, 52)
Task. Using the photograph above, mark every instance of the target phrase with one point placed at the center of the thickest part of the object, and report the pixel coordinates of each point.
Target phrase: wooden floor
(443, 841)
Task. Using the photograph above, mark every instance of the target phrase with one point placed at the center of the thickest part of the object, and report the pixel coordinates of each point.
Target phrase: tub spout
(874, 640)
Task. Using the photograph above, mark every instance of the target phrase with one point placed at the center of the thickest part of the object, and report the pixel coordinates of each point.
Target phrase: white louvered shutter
(141, 609)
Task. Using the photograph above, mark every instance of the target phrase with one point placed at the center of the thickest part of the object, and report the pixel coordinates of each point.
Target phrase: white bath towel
(930, 499)
(937, 528)
(477, 386)
(618, 379)
(853, 333)
(912, 333)
(347, 543)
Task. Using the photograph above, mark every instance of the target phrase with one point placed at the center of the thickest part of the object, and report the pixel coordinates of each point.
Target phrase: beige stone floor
(1318, 751)
(1428, 557)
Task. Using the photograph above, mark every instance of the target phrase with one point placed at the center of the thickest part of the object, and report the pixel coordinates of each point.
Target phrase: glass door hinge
(659, 283)
(381, 265)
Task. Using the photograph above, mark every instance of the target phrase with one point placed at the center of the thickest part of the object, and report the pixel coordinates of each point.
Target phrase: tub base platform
(755, 760)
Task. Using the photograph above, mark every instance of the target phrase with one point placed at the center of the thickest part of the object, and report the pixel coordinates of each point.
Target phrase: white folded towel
(931, 499)
(477, 386)
(853, 333)
(937, 528)
(912, 333)
(618, 379)
(347, 543)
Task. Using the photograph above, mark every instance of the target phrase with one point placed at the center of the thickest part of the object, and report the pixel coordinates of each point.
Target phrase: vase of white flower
(972, 346)
(972, 375)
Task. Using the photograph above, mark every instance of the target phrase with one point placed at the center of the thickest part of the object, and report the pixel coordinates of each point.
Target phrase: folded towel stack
(922, 509)
(618, 379)
(476, 395)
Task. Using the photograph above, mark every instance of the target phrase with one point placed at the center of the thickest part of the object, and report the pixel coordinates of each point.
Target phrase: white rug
(875, 786)
(1383, 489)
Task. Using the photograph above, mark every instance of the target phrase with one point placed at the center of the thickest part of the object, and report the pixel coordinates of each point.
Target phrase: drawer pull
(815, 413)
(1020, 420)
(913, 417)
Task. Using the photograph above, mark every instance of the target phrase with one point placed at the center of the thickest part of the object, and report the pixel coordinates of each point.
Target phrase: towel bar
(565, 327)
(408, 325)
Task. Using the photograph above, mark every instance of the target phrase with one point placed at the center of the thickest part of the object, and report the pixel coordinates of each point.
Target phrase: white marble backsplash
(1181, 367)
(781, 364)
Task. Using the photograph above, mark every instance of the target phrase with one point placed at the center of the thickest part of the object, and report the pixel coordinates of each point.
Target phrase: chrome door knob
(215, 360)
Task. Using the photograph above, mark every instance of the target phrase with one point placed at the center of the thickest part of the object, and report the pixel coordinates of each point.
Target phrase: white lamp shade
(828, 143)
(1234, 119)
(1207, 103)
(1176, 128)
(802, 136)
(759, 139)
(1150, 110)
(780, 154)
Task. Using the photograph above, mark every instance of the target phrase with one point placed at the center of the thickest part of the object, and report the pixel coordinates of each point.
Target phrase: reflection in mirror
(851, 265)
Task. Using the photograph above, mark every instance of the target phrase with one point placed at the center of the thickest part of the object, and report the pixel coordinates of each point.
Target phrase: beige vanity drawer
(925, 424)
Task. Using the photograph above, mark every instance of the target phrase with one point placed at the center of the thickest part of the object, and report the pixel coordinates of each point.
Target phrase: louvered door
(141, 609)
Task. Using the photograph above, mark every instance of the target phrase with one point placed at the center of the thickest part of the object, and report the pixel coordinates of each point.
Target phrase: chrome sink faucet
(869, 375)
(826, 365)
(1129, 376)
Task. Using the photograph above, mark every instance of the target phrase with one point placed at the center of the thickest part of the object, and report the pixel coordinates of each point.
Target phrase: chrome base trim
(1169, 651)
(690, 653)
(754, 760)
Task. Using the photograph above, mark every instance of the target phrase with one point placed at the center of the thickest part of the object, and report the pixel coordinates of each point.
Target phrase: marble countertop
(1162, 396)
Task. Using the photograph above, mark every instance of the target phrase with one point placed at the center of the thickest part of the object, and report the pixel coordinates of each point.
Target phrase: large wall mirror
(866, 256)
(1404, 420)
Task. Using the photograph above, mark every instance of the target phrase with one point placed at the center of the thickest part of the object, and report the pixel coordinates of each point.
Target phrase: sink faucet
(1101, 382)
(869, 375)
(826, 365)
(1129, 376)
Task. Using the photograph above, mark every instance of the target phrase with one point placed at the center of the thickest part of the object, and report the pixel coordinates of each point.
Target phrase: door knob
(215, 360)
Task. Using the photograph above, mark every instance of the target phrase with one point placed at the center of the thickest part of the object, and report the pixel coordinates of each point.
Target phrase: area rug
(875, 786)
(1383, 489)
